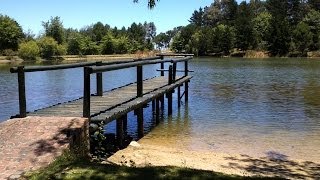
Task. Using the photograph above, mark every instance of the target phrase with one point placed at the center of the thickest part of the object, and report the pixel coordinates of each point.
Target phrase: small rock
(134, 144)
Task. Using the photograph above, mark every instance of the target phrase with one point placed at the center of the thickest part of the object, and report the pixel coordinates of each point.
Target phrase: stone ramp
(33, 142)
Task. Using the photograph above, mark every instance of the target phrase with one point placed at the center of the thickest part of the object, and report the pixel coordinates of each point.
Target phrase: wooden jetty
(116, 103)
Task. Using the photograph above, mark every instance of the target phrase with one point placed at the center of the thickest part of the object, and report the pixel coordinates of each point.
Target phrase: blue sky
(78, 13)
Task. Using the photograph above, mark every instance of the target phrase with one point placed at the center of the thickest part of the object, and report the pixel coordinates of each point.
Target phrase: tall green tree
(54, 28)
(162, 40)
(244, 28)
(98, 30)
(279, 36)
(10, 33)
(312, 19)
(223, 38)
(302, 38)
(197, 18)
(261, 28)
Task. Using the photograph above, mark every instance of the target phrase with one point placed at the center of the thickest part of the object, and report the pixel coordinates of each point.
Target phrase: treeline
(56, 40)
(278, 27)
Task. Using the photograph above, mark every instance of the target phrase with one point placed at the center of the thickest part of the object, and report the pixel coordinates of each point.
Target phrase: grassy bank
(71, 167)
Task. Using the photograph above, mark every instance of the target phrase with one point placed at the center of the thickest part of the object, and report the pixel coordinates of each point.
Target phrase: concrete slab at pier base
(33, 142)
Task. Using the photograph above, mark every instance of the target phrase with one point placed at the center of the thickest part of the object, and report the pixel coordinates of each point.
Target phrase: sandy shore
(141, 154)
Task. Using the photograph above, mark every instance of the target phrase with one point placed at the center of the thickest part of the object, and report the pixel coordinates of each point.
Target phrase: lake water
(235, 105)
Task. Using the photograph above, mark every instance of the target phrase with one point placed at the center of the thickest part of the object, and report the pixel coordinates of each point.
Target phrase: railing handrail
(76, 65)
(98, 69)
(173, 54)
(52, 67)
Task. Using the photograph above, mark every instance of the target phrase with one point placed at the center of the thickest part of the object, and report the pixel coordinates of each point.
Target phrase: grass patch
(69, 166)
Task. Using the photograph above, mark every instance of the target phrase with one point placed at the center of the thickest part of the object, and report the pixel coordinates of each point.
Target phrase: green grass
(71, 167)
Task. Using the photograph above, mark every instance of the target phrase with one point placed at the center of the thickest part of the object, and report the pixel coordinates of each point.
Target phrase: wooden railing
(97, 68)
(139, 65)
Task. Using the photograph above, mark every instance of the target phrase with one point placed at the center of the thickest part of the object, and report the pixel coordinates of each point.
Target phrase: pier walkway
(34, 139)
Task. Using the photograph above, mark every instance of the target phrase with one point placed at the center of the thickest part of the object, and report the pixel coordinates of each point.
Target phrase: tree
(279, 36)
(261, 27)
(107, 44)
(302, 37)
(10, 33)
(98, 31)
(151, 3)
(162, 40)
(54, 28)
(244, 28)
(312, 19)
(314, 4)
(197, 17)
(29, 50)
(177, 43)
(223, 38)
(49, 48)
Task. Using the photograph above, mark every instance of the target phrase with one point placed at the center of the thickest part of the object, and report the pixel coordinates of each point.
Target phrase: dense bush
(49, 48)
(29, 50)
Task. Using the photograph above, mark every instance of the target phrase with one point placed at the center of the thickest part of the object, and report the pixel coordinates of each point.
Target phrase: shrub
(48, 47)
(29, 50)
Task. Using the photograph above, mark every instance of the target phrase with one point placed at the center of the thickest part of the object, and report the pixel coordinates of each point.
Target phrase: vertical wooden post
(186, 85)
(139, 81)
(169, 94)
(22, 92)
(140, 122)
(179, 102)
(99, 80)
(125, 122)
(153, 105)
(162, 67)
(86, 93)
(174, 72)
(157, 111)
(162, 102)
(119, 132)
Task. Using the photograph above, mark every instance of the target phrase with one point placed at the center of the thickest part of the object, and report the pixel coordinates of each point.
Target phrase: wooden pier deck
(115, 103)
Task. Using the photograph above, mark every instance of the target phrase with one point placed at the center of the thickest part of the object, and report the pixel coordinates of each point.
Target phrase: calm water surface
(235, 105)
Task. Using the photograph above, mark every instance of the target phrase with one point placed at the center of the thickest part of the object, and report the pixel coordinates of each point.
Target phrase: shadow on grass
(276, 164)
(68, 167)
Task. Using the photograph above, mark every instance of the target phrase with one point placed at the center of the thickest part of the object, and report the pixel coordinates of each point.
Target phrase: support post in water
(179, 102)
(125, 122)
(186, 84)
(169, 94)
(119, 132)
(139, 81)
(174, 72)
(86, 93)
(162, 102)
(22, 92)
(140, 122)
(99, 80)
(157, 111)
(162, 66)
(153, 105)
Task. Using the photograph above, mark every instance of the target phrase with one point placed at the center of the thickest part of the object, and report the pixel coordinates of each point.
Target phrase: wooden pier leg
(157, 111)
(140, 122)
(119, 132)
(125, 123)
(99, 81)
(22, 92)
(162, 102)
(186, 91)
(186, 86)
(169, 94)
(86, 93)
(153, 105)
(179, 102)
